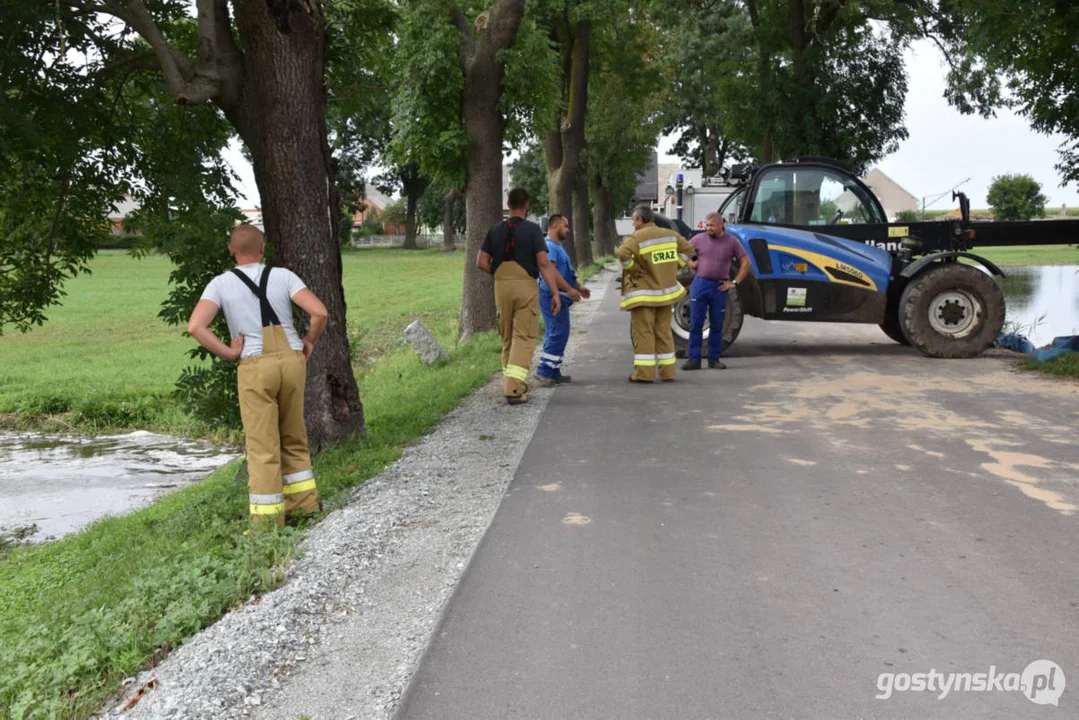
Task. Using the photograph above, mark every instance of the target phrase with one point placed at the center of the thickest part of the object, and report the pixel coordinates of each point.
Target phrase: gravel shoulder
(343, 635)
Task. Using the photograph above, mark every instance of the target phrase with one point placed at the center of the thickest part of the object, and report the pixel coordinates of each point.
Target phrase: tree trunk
(282, 95)
(559, 186)
(483, 72)
(721, 153)
(581, 217)
(602, 219)
(449, 200)
(411, 200)
(565, 143)
(711, 152)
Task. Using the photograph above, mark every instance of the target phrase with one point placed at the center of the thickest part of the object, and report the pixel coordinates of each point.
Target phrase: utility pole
(939, 196)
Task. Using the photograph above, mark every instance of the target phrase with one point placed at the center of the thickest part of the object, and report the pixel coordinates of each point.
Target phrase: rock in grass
(424, 343)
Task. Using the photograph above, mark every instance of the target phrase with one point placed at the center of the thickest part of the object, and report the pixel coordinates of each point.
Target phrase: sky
(944, 148)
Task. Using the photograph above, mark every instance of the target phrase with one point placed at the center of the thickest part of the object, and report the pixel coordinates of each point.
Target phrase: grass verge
(80, 614)
(1065, 366)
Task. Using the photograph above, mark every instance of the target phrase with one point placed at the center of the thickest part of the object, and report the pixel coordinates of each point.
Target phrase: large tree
(1023, 56)
(441, 205)
(830, 79)
(570, 28)
(793, 77)
(475, 85)
(630, 98)
(410, 180)
(262, 65)
(359, 75)
(712, 58)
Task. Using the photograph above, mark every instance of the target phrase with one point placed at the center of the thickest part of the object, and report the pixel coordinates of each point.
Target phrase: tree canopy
(1019, 56)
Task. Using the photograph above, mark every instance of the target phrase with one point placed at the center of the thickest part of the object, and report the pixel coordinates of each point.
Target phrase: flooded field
(1042, 301)
(51, 485)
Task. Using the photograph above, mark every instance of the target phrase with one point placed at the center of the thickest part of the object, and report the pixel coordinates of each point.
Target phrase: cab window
(731, 210)
(811, 196)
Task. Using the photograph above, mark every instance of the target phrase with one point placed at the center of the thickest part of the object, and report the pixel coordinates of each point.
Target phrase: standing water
(55, 484)
(1042, 301)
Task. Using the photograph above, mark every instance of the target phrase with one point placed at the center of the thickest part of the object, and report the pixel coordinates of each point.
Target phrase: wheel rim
(954, 313)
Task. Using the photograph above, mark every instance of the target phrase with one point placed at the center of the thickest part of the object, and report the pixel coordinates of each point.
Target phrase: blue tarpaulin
(1018, 343)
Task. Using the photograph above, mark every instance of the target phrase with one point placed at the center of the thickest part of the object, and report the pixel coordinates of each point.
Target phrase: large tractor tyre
(891, 328)
(951, 311)
(732, 323)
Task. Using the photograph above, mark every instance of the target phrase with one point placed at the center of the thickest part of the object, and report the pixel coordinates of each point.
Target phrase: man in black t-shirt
(515, 252)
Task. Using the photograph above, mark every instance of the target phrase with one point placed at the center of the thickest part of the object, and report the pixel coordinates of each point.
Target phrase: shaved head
(246, 240)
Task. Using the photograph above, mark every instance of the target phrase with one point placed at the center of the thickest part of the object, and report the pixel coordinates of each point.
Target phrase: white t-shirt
(241, 306)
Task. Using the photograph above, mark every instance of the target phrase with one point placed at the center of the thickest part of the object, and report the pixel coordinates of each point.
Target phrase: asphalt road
(768, 540)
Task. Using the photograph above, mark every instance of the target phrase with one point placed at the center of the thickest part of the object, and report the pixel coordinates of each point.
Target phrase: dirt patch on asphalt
(999, 425)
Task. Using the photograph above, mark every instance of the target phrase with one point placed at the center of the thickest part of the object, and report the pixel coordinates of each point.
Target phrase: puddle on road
(62, 483)
(1042, 301)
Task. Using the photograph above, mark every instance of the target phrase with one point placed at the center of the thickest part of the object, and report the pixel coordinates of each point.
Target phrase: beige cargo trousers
(517, 303)
(271, 386)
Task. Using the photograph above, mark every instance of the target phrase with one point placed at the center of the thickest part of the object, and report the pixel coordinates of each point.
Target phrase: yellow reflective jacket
(651, 258)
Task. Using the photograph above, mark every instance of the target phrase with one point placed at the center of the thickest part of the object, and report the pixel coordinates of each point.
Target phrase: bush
(209, 394)
(1016, 197)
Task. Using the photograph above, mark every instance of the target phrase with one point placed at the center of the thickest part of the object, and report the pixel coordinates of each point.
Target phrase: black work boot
(691, 364)
(717, 365)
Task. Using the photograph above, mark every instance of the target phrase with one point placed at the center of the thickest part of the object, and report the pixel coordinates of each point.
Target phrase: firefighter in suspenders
(273, 369)
(651, 258)
(515, 252)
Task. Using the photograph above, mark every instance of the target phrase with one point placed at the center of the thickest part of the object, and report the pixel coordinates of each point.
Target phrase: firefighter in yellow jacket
(651, 258)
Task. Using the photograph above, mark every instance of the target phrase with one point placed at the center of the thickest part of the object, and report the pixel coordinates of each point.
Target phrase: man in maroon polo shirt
(708, 294)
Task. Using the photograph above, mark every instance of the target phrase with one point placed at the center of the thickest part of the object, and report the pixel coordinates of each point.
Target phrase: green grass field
(105, 358)
(80, 614)
(1031, 254)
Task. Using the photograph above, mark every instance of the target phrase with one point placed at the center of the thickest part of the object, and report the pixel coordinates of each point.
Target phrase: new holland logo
(889, 246)
(797, 309)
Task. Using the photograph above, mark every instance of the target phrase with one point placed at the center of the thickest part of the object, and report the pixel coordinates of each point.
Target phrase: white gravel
(343, 635)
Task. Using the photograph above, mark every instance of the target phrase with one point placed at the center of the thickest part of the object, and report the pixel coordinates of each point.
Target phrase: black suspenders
(269, 317)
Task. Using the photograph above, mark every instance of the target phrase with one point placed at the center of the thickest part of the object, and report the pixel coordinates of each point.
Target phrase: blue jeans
(706, 297)
(556, 337)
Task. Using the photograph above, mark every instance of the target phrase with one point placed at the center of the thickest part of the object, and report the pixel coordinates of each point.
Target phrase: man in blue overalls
(716, 249)
(557, 326)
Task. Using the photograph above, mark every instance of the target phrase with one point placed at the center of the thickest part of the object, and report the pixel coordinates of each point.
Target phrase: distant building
(130, 204)
(893, 197)
(253, 216)
(119, 214)
(374, 202)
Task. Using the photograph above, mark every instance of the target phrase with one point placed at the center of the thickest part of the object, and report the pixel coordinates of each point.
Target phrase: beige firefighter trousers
(653, 343)
(271, 387)
(517, 302)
